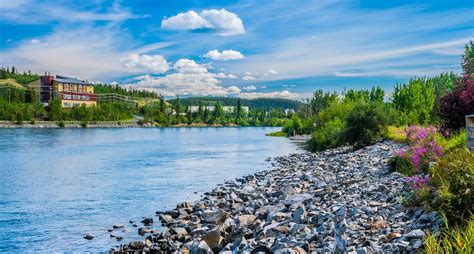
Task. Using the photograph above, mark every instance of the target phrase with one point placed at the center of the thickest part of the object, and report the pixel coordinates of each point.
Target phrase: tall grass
(452, 239)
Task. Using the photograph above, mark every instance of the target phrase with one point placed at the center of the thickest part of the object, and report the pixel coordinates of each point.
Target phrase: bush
(451, 239)
(32, 122)
(401, 164)
(455, 140)
(328, 136)
(61, 124)
(455, 105)
(366, 124)
(453, 180)
(84, 124)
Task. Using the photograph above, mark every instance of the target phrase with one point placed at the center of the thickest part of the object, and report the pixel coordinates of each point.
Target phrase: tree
(238, 111)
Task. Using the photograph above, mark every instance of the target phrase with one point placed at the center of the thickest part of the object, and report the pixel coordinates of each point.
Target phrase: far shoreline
(106, 124)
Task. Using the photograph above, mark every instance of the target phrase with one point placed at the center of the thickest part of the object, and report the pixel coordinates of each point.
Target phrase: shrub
(451, 141)
(423, 148)
(61, 124)
(328, 136)
(32, 122)
(84, 124)
(453, 180)
(396, 134)
(455, 105)
(401, 164)
(366, 124)
(451, 239)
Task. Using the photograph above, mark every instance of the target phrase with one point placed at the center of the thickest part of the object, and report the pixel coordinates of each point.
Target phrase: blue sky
(278, 48)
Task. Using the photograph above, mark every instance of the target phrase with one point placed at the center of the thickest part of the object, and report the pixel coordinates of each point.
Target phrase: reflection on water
(58, 184)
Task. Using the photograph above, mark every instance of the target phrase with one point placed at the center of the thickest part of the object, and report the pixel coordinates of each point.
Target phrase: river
(58, 184)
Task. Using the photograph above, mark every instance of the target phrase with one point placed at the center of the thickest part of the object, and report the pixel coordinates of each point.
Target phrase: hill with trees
(260, 103)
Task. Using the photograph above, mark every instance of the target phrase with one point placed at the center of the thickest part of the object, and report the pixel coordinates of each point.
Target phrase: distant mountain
(251, 103)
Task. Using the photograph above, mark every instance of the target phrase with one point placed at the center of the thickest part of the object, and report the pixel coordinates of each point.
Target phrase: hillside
(252, 103)
(10, 82)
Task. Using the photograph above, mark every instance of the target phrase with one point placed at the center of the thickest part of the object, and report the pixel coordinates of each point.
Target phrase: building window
(85, 98)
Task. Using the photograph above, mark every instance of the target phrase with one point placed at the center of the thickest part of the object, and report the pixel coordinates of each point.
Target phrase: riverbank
(98, 124)
(334, 201)
(71, 124)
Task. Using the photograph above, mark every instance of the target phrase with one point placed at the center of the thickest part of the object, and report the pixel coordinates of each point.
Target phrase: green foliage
(104, 89)
(455, 140)
(365, 125)
(321, 100)
(453, 178)
(327, 136)
(455, 239)
(401, 164)
(260, 103)
(415, 101)
(84, 124)
(276, 134)
(293, 126)
(61, 124)
(22, 78)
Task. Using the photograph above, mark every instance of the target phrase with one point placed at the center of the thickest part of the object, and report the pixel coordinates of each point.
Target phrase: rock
(166, 218)
(199, 247)
(147, 221)
(261, 250)
(299, 214)
(244, 220)
(180, 231)
(137, 245)
(89, 236)
(118, 226)
(214, 216)
(214, 240)
(417, 233)
(362, 250)
(184, 205)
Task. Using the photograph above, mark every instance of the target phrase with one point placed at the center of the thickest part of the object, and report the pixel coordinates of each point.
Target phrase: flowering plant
(423, 148)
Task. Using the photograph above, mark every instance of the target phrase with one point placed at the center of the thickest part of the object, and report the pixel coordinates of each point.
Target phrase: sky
(249, 49)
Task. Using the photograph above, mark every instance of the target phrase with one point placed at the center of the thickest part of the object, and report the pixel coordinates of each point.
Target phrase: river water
(58, 184)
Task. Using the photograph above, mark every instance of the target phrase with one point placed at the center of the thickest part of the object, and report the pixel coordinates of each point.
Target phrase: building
(226, 109)
(71, 91)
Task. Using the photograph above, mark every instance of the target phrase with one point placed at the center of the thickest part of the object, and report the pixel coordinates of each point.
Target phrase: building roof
(65, 79)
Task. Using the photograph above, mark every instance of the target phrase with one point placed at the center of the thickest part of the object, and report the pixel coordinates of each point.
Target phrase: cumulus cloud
(222, 21)
(224, 55)
(35, 41)
(249, 88)
(228, 76)
(278, 94)
(191, 78)
(233, 90)
(155, 63)
(248, 78)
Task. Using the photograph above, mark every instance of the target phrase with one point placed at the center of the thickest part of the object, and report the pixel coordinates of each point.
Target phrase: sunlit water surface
(58, 184)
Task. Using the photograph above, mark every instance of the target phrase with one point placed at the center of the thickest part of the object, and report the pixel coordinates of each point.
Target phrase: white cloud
(248, 78)
(249, 88)
(185, 21)
(228, 76)
(40, 12)
(272, 71)
(156, 63)
(233, 90)
(278, 94)
(224, 55)
(34, 41)
(222, 21)
(188, 66)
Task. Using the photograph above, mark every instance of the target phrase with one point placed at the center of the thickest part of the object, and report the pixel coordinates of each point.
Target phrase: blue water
(58, 184)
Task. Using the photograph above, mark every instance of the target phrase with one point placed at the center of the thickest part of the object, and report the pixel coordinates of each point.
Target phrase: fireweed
(421, 152)
(422, 149)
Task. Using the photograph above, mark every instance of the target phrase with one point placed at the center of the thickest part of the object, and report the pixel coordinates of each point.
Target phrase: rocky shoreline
(336, 201)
